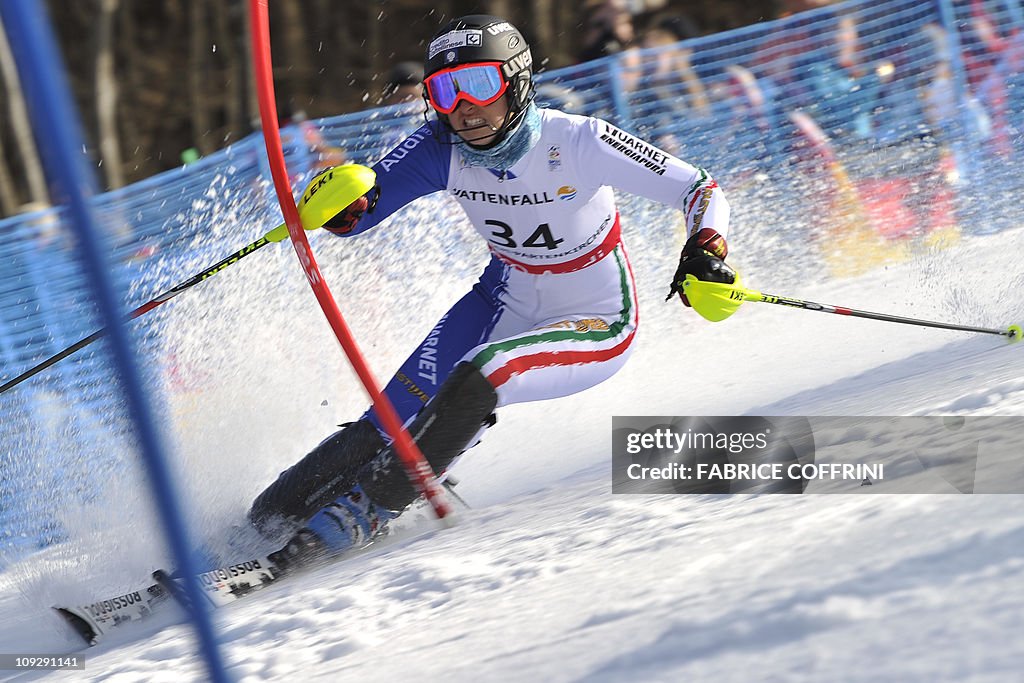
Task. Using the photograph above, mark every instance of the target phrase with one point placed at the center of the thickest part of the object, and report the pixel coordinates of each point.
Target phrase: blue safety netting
(921, 104)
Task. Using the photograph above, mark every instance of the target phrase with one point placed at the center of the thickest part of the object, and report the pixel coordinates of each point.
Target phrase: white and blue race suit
(555, 310)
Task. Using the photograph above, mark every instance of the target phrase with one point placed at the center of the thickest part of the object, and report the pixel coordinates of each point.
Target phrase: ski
(225, 585)
(95, 619)
(221, 586)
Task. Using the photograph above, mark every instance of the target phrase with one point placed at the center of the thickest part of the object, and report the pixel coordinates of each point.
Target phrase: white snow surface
(550, 577)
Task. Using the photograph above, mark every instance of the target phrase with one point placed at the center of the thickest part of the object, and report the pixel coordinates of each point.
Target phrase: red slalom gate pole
(416, 466)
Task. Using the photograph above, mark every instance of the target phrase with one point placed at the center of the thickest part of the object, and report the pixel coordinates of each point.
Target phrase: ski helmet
(482, 38)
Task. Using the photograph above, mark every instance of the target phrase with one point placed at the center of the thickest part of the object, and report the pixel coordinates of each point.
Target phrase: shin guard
(443, 429)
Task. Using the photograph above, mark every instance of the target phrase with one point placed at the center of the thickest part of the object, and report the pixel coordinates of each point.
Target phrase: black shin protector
(328, 471)
(442, 430)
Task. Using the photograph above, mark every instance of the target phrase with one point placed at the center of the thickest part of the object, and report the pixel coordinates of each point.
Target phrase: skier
(554, 311)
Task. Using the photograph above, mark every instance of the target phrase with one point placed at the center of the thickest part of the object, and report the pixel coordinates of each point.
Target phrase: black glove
(345, 221)
(702, 257)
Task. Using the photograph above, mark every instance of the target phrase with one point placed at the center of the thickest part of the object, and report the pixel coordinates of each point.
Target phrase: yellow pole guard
(327, 194)
(716, 301)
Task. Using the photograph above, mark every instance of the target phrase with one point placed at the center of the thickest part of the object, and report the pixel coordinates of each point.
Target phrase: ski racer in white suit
(555, 310)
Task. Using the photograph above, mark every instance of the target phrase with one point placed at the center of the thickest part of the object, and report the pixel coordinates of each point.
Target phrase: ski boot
(349, 523)
(328, 471)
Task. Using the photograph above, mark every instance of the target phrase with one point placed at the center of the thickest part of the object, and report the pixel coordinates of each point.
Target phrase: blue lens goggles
(480, 84)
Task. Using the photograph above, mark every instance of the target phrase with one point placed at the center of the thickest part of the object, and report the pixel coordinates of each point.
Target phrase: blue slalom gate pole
(59, 136)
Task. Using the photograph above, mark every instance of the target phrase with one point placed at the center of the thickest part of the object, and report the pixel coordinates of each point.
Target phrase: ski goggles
(480, 84)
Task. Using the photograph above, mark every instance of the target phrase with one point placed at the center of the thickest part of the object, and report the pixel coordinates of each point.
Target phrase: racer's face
(479, 125)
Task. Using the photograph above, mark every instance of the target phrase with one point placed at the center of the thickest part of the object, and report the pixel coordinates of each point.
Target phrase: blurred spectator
(846, 89)
(405, 84)
(747, 96)
(983, 44)
(944, 121)
(554, 96)
(780, 63)
(43, 223)
(1013, 63)
(680, 26)
(668, 70)
(319, 154)
(854, 88)
(994, 71)
(832, 82)
(790, 7)
(403, 94)
(665, 95)
(46, 227)
(327, 156)
(884, 101)
(759, 135)
(607, 29)
(940, 103)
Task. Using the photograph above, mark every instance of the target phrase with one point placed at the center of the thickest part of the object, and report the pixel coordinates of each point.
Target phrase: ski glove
(345, 221)
(703, 257)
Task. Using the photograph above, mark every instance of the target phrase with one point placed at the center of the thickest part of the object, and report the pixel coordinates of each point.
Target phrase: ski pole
(717, 301)
(326, 195)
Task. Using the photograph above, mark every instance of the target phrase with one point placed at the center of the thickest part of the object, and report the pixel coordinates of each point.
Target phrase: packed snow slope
(549, 577)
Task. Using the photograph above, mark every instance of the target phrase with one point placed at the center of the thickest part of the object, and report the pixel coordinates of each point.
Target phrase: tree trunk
(500, 8)
(377, 68)
(293, 74)
(199, 47)
(8, 193)
(234, 73)
(252, 102)
(32, 166)
(107, 95)
(544, 28)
